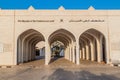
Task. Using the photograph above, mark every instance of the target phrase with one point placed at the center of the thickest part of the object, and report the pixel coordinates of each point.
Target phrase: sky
(55, 4)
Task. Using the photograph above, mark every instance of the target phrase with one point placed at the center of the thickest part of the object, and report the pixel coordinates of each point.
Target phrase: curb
(6, 66)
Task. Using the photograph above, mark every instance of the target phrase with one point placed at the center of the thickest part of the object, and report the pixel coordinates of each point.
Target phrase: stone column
(92, 51)
(83, 53)
(67, 53)
(70, 53)
(47, 53)
(101, 47)
(19, 51)
(99, 52)
(87, 52)
(73, 53)
(77, 52)
(80, 54)
(107, 51)
(27, 52)
(32, 54)
(30, 58)
(22, 52)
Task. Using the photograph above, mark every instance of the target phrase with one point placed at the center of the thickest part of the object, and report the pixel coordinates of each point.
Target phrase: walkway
(61, 62)
(60, 69)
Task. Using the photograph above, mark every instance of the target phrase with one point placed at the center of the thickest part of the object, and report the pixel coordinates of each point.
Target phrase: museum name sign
(87, 20)
(61, 20)
(35, 20)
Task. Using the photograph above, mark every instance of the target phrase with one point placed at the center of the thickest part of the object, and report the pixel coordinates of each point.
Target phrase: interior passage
(92, 46)
(27, 50)
(62, 44)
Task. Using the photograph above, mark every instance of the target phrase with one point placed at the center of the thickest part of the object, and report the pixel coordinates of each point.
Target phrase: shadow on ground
(61, 74)
(55, 59)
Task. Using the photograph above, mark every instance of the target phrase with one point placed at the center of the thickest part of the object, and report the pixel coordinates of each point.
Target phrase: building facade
(86, 34)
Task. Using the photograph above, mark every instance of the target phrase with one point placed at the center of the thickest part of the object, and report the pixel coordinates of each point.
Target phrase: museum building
(91, 34)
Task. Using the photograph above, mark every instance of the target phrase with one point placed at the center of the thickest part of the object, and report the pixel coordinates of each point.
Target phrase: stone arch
(63, 32)
(26, 45)
(97, 44)
(67, 38)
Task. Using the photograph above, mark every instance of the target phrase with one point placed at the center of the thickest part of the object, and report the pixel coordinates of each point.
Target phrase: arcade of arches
(91, 45)
(26, 45)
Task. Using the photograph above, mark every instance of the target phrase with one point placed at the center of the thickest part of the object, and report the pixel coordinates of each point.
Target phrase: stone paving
(60, 69)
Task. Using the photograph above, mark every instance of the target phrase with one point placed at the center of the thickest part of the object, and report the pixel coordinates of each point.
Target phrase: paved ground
(61, 69)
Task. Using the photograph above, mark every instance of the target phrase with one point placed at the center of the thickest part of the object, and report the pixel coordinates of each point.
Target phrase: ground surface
(61, 69)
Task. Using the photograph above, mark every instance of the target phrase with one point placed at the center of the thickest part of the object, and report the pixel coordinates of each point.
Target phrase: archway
(65, 40)
(57, 49)
(26, 45)
(40, 50)
(93, 46)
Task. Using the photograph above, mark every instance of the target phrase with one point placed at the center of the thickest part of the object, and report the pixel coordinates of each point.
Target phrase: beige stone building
(86, 34)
